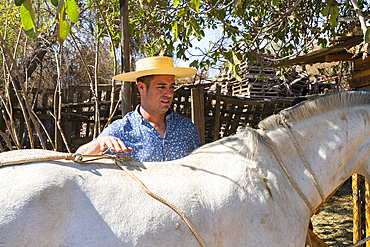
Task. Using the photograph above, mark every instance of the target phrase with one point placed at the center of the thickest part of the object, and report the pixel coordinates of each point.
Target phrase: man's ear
(141, 87)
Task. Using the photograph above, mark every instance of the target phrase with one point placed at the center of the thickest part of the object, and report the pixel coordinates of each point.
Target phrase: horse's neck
(331, 145)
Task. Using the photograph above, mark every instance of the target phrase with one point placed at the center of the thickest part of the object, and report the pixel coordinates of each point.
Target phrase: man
(153, 132)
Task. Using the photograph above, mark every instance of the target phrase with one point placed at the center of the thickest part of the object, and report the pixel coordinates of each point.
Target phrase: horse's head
(333, 132)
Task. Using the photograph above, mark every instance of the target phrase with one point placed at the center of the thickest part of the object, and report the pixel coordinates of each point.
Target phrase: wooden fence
(224, 115)
(214, 115)
(77, 114)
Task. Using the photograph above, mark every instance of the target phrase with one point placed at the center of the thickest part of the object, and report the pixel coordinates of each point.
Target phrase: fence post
(125, 56)
(367, 210)
(197, 111)
(126, 97)
(356, 209)
(217, 114)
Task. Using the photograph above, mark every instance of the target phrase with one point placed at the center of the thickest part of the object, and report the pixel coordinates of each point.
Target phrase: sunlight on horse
(234, 191)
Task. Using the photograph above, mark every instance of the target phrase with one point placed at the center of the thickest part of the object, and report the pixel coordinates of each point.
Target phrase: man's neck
(156, 120)
(153, 118)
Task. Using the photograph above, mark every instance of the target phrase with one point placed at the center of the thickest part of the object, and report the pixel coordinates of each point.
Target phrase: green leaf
(194, 64)
(19, 2)
(367, 36)
(175, 30)
(188, 29)
(63, 31)
(325, 10)
(198, 6)
(60, 5)
(63, 28)
(72, 10)
(235, 58)
(335, 10)
(176, 2)
(222, 14)
(131, 31)
(55, 2)
(333, 21)
(275, 2)
(228, 66)
(237, 76)
(28, 17)
(195, 4)
(31, 33)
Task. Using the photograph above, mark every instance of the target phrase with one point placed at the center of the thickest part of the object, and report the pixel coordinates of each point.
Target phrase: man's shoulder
(130, 115)
(128, 120)
(177, 117)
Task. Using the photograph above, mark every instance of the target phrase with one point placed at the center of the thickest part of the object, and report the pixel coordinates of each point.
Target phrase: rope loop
(79, 158)
(82, 158)
(287, 172)
(304, 160)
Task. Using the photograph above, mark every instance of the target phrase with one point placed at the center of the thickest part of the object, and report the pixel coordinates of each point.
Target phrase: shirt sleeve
(114, 129)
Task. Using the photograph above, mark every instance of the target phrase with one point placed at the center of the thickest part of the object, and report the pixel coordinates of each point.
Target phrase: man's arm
(101, 143)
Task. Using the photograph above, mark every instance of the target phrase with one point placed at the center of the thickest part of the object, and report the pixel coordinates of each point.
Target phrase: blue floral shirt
(180, 139)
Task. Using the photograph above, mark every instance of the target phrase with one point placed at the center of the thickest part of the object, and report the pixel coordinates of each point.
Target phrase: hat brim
(178, 72)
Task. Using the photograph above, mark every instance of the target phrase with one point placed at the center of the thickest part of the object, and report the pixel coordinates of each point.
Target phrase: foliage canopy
(248, 28)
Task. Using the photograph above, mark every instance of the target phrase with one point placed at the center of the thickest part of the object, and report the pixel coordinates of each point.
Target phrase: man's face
(158, 98)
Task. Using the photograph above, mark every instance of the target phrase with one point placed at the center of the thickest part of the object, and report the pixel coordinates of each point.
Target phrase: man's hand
(101, 143)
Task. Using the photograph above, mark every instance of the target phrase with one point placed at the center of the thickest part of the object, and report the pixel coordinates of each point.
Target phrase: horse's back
(63, 203)
(45, 204)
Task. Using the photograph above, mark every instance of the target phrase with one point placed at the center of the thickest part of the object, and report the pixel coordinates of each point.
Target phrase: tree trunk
(125, 57)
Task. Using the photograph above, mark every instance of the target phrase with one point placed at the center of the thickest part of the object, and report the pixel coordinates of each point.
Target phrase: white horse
(234, 191)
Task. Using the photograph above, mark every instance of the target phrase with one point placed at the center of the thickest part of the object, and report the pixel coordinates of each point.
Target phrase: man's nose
(168, 92)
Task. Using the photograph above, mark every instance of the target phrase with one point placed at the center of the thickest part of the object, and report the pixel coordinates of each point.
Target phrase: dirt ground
(334, 223)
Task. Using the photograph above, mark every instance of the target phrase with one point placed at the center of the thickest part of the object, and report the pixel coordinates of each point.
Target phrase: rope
(173, 207)
(309, 239)
(26, 157)
(47, 155)
(310, 171)
(304, 160)
(287, 172)
(120, 158)
(360, 242)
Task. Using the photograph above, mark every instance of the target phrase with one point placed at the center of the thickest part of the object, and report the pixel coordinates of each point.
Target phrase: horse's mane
(314, 107)
(250, 138)
(303, 111)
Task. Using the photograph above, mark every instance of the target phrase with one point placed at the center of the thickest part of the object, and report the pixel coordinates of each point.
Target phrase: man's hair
(146, 80)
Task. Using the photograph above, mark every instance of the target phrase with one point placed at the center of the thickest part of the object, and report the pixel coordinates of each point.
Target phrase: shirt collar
(138, 116)
(169, 115)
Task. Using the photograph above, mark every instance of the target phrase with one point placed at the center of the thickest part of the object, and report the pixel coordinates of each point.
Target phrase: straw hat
(155, 66)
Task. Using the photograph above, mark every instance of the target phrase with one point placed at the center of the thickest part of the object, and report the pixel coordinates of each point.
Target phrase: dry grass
(334, 223)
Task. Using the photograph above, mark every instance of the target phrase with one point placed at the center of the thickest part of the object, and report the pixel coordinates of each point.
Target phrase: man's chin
(164, 109)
